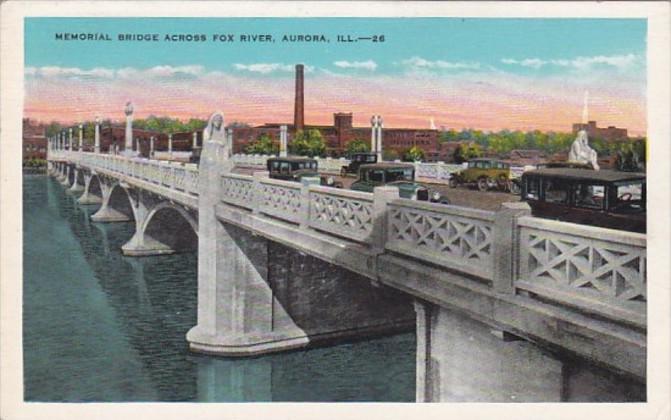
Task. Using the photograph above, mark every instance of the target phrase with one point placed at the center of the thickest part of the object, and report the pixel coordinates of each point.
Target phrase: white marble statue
(215, 141)
(581, 152)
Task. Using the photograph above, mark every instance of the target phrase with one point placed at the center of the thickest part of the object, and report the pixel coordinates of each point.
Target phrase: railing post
(256, 190)
(505, 244)
(381, 197)
(305, 206)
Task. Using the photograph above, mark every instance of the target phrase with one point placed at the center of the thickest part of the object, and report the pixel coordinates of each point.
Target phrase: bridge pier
(65, 180)
(88, 197)
(461, 359)
(60, 171)
(106, 213)
(237, 312)
(76, 186)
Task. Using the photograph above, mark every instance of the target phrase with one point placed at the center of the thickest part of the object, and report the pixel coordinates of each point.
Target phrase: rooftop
(588, 174)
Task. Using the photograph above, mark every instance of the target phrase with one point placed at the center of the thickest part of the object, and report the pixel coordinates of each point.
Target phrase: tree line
(504, 141)
(164, 125)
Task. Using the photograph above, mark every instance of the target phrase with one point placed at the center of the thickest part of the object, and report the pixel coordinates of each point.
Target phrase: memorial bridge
(506, 307)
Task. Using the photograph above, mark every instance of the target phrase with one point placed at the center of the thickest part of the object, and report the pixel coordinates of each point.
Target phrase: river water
(98, 326)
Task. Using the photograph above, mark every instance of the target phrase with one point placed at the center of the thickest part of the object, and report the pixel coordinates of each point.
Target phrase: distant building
(610, 133)
(446, 151)
(34, 140)
(523, 157)
(338, 135)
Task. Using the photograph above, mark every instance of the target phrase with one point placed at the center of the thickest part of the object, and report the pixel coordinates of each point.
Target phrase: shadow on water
(99, 326)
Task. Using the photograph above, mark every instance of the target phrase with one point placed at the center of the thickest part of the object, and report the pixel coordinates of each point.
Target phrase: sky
(487, 74)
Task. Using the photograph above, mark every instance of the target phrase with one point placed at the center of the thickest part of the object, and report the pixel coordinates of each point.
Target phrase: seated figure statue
(581, 152)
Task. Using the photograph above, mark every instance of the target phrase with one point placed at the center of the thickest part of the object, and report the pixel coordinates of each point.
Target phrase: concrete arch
(93, 190)
(161, 226)
(168, 205)
(78, 179)
(117, 204)
(95, 185)
(121, 201)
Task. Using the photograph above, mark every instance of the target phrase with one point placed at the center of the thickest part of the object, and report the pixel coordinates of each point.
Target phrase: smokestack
(298, 104)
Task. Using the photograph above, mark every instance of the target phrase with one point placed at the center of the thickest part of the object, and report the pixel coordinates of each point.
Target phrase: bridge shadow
(327, 302)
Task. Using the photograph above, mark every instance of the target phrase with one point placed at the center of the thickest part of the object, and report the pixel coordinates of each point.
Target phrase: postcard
(333, 208)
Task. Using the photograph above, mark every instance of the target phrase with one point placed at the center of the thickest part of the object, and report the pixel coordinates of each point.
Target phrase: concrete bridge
(506, 307)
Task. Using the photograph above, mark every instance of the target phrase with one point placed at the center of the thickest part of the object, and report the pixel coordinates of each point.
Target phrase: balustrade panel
(449, 236)
(348, 214)
(599, 270)
(281, 199)
(238, 190)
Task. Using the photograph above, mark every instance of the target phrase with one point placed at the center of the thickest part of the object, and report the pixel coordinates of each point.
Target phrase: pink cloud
(487, 101)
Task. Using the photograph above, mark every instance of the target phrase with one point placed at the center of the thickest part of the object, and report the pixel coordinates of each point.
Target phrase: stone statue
(215, 141)
(129, 109)
(581, 152)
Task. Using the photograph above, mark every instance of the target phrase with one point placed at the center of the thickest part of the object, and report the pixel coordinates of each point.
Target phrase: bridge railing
(598, 270)
(449, 236)
(173, 175)
(592, 269)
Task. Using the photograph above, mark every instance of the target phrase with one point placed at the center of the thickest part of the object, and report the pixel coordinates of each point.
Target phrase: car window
(400, 174)
(555, 191)
(377, 175)
(285, 167)
(629, 196)
(275, 165)
(532, 189)
(472, 164)
(371, 159)
(589, 195)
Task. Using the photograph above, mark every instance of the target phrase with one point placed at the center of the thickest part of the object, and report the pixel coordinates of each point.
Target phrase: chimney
(298, 104)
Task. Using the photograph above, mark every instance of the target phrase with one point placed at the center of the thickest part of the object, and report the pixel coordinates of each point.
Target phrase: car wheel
(515, 188)
(452, 182)
(502, 183)
(482, 184)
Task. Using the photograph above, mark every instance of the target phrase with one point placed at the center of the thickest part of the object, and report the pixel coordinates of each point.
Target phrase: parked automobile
(356, 160)
(295, 169)
(602, 198)
(399, 175)
(486, 174)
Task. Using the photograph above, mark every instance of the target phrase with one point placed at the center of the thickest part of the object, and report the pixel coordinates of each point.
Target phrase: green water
(98, 326)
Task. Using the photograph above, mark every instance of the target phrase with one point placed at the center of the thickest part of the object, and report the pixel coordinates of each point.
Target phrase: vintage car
(356, 160)
(295, 169)
(602, 198)
(395, 174)
(485, 174)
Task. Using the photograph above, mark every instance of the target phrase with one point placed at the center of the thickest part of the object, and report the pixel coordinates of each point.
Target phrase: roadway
(462, 196)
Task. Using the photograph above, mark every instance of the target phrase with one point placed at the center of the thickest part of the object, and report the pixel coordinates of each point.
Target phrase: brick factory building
(610, 133)
(34, 140)
(338, 135)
